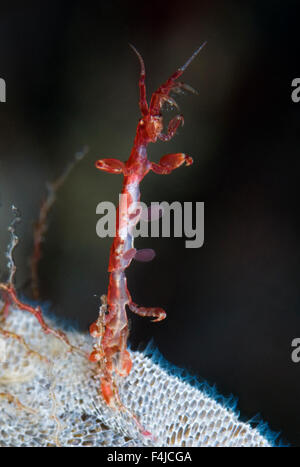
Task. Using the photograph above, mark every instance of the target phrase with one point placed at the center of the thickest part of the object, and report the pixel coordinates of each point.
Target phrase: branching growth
(40, 227)
(12, 245)
(9, 293)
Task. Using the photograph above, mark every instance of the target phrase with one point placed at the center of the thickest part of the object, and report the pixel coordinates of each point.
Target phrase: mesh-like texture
(57, 403)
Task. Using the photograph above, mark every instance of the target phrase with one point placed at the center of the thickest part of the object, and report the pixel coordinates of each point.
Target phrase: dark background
(234, 304)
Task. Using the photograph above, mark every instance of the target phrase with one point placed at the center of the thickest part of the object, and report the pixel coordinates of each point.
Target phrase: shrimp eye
(142, 123)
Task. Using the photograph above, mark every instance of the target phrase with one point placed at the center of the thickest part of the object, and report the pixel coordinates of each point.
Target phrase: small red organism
(111, 328)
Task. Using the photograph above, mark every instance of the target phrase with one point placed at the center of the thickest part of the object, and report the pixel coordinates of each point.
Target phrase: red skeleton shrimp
(111, 328)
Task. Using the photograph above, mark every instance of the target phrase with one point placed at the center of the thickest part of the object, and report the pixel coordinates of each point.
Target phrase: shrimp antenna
(143, 99)
(184, 67)
(143, 71)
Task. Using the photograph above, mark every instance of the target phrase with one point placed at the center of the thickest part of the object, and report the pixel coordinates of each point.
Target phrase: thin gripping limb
(113, 166)
(172, 128)
(159, 95)
(170, 162)
(157, 313)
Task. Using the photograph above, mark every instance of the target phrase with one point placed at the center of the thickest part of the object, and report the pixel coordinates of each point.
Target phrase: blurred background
(233, 305)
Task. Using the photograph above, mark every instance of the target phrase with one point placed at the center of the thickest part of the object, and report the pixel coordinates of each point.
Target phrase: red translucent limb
(142, 86)
(172, 128)
(113, 166)
(157, 313)
(164, 89)
(145, 255)
(107, 391)
(170, 162)
(125, 364)
(110, 394)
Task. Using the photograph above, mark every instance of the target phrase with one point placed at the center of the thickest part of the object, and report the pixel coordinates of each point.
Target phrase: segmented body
(111, 328)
